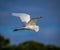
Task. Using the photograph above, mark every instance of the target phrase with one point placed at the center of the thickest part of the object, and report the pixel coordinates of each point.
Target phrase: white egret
(30, 24)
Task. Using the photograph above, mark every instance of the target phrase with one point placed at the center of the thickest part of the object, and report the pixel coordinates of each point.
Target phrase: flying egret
(30, 24)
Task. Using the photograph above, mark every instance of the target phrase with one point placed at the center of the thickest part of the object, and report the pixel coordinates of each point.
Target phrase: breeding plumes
(30, 24)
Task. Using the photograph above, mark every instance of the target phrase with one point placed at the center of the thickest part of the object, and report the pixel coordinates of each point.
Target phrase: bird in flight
(30, 24)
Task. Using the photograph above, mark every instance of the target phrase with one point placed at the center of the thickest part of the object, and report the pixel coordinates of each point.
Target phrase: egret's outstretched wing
(23, 16)
(33, 21)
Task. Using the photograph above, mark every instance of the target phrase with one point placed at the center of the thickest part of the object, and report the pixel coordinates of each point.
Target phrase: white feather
(23, 16)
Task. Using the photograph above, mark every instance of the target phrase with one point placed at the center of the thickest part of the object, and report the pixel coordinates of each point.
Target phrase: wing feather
(33, 21)
(23, 16)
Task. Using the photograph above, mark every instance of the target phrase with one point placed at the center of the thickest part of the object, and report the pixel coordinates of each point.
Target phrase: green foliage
(29, 45)
(3, 42)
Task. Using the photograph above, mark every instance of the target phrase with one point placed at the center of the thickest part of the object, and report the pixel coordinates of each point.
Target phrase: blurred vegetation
(29, 45)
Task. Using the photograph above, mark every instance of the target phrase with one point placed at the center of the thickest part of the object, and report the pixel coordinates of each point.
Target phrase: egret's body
(30, 24)
(33, 27)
